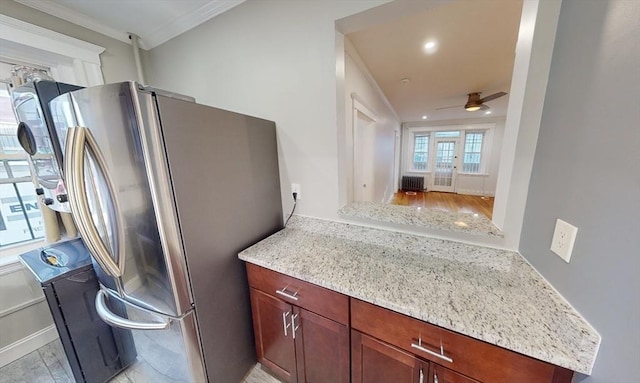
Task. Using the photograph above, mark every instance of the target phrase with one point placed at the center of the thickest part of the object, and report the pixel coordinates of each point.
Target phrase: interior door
(364, 158)
(445, 166)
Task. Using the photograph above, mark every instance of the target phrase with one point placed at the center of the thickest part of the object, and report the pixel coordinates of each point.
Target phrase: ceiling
(154, 21)
(475, 51)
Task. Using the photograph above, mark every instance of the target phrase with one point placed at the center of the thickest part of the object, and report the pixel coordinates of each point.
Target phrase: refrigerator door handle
(114, 320)
(78, 139)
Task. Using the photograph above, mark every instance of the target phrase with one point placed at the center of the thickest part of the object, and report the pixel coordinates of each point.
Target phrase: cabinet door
(439, 374)
(272, 329)
(373, 361)
(322, 348)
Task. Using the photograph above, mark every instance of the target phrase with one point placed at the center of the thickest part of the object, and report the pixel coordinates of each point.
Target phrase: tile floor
(48, 364)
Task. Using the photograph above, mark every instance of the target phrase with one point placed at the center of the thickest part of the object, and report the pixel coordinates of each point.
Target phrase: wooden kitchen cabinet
(274, 346)
(439, 374)
(373, 361)
(307, 333)
(322, 348)
(297, 328)
(457, 353)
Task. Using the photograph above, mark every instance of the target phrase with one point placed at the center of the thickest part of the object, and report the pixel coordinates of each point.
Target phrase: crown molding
(174, 27)
(76, 17)
(187, 21)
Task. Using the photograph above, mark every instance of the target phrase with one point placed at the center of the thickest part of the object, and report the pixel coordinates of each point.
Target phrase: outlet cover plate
(564, 236)
(295, 188)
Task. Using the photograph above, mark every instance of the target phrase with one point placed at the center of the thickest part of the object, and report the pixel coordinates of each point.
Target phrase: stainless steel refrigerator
(165, 192)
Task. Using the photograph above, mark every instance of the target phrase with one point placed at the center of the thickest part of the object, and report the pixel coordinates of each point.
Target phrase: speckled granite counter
(491, 295)
(474, 224)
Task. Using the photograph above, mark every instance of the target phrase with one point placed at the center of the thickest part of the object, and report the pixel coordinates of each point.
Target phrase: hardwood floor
(456, 203)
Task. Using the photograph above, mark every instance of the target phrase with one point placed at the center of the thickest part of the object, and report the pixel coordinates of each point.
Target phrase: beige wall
(23, 310)
(117, 59)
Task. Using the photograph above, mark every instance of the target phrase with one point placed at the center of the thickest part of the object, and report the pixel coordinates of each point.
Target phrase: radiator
(412, 183)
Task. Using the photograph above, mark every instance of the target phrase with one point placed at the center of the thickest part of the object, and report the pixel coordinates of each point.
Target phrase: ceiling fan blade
(449, 107)
(493, 96)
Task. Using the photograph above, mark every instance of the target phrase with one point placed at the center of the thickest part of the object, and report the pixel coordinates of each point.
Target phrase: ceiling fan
(475, 102)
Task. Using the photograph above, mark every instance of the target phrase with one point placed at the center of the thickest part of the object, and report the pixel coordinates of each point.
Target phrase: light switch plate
(564, 236)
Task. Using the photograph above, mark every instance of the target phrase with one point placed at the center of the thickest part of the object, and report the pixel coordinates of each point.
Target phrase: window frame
(482, 165)
(427, 168)
(69, 60)
(410, 132)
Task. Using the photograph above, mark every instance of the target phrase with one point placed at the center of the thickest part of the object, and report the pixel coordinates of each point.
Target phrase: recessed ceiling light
(405, 80)
(431, 46)
(424, 117)
(487, 112)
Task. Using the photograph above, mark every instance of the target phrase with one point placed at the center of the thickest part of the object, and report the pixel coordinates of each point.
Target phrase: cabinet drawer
(319, 300)
(471, 357)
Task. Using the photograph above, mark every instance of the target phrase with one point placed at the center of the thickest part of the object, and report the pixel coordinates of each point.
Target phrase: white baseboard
(28, 344)
(474, 192)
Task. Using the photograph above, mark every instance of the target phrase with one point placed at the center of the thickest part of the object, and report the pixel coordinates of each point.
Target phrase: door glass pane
(445, 155)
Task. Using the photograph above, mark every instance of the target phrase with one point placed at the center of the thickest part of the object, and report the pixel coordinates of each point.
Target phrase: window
(20, 216)
(420, 152)
(472, 152)
(448, 134)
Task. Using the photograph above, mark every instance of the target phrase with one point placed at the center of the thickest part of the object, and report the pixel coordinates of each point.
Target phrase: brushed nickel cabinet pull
(440, 355)
(285, 325)
(285, 293)
(293, 325)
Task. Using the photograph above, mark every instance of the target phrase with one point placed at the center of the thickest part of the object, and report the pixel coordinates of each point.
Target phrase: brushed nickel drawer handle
(293, 325)
(284, 293)
(440, 355)
(284, 322)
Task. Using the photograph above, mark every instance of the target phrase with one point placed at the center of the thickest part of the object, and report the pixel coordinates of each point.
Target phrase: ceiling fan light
(472, 108)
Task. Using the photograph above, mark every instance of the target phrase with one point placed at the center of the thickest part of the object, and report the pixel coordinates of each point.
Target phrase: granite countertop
(488, 294)
(468, 223)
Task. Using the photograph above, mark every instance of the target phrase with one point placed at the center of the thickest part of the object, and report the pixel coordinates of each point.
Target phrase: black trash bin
(70, 285)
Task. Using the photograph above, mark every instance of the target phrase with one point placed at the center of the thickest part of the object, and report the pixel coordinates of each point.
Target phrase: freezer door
(167, 348)
(114, 199)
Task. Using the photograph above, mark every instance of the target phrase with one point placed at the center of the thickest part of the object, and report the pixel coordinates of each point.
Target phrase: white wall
(275, 60)
(482, 184)
(360, 84)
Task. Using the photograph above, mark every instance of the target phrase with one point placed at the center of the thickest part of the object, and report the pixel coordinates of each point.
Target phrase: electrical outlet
(295, 188)
(564, 236)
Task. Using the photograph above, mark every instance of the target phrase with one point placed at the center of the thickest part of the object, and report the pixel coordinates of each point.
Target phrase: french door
(443, 177)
